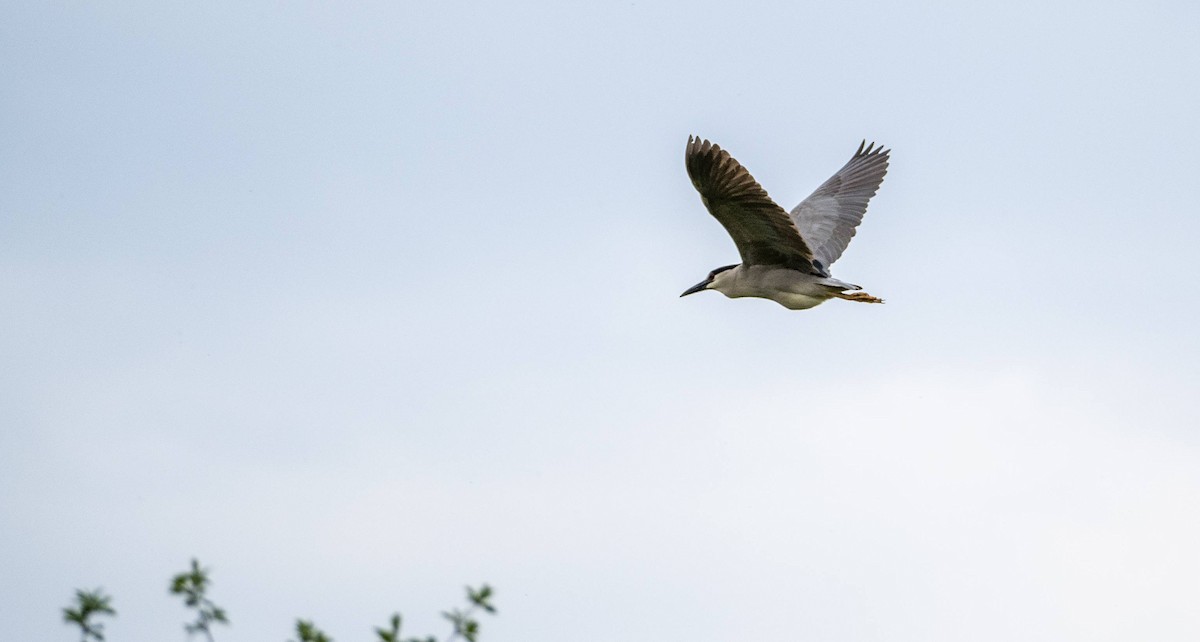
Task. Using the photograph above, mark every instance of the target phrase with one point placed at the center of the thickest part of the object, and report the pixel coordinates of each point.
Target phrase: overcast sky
(363, 303)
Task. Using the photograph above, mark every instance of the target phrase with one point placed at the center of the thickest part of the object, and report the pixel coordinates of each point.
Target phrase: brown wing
(762, 230)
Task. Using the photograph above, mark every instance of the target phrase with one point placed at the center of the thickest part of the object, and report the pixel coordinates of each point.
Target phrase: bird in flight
(785, 257)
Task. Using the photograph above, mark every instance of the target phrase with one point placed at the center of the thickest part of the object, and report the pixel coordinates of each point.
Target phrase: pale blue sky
(361, 304)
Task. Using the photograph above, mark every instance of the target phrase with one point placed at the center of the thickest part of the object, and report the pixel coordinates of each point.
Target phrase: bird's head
(714, 281)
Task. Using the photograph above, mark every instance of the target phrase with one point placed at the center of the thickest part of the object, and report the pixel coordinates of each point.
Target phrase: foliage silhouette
(306, 631)
(89, 603)
(193, 586)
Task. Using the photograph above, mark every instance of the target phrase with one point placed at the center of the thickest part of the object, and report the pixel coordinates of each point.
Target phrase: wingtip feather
(871, 149)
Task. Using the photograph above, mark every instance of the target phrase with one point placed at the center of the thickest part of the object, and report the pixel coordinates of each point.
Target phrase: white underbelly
(789, 300)
(791, 289)
(798, 301)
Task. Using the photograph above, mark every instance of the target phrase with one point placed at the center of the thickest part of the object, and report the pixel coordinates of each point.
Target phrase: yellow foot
(861, 297)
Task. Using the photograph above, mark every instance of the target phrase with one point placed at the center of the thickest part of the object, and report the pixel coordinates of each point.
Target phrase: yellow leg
(861, 297)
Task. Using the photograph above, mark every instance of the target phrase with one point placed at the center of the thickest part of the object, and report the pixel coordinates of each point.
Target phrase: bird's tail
(840, 286)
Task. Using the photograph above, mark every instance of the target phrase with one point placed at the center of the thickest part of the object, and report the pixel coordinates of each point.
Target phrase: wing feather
(761, 229)
(828, 218)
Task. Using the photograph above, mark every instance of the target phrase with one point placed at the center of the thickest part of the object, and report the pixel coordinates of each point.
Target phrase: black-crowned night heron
(785, 258)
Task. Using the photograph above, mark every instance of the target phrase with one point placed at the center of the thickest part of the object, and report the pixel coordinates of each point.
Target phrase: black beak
(695, 288)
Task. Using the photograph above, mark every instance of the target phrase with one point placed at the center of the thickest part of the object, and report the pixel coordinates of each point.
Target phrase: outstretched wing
(762, 230)
(827, 219)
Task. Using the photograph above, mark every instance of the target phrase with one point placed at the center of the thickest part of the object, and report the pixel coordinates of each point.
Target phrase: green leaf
(480, 598)
(470, 630)
(393, 634)
(89, 603)
(308, 632)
